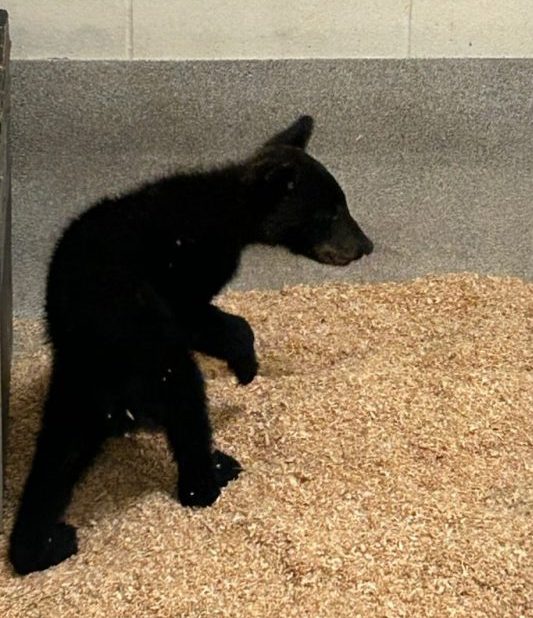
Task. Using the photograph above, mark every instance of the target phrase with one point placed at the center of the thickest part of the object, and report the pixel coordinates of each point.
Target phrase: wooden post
(5, 249)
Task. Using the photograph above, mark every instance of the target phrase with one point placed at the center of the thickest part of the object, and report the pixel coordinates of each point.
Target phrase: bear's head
(302, 206)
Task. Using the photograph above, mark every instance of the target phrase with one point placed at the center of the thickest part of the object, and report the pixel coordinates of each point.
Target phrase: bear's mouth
(334, 260)
(326, 254)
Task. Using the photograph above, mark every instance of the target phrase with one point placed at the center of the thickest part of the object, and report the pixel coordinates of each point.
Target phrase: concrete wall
(435, 156)
(231, 29)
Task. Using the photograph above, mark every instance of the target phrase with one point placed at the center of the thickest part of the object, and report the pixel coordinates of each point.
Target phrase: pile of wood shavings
(389, 468)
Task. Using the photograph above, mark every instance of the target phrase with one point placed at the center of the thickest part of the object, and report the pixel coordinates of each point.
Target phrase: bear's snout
(347, 243)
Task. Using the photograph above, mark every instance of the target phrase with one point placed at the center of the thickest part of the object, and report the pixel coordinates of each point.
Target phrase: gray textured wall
(435, 156)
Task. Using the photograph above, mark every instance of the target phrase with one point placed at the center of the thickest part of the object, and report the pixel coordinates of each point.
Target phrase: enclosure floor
(388, 468)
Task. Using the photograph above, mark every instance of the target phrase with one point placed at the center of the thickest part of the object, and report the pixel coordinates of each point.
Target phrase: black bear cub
(129, 295)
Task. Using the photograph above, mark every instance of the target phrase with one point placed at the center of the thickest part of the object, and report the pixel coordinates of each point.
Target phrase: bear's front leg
(227, 337)
(201, 472)
(240, 351)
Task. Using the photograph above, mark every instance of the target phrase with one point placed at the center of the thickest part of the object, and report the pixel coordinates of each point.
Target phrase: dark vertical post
(5, 249)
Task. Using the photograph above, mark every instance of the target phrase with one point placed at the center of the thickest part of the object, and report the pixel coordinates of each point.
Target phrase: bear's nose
(368, 247)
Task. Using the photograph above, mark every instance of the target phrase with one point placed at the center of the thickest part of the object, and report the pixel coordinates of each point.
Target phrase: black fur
(129, 297)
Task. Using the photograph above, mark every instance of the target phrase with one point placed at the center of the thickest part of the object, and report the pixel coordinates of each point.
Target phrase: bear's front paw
(240, 352)
(198, 491)
(203, 490)
(34, 552)
(227, 468)
(245, 368)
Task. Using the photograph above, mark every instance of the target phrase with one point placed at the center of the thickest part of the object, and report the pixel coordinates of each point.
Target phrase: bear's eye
(325, 216)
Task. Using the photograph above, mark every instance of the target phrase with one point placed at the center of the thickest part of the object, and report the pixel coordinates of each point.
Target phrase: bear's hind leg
(69, 439)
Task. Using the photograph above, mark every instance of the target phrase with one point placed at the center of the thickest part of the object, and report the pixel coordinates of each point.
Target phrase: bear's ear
(297, 134)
